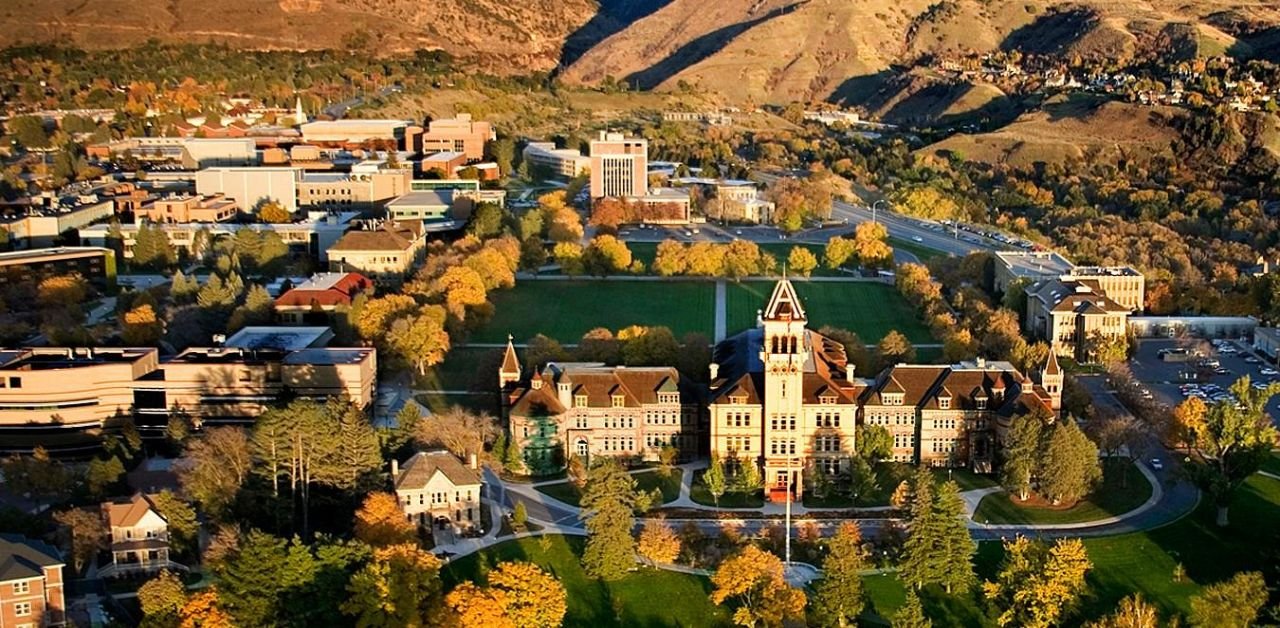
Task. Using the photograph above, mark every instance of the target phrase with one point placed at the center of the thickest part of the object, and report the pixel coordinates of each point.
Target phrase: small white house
(437, 489)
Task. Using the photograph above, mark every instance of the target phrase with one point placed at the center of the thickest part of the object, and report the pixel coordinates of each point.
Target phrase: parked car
(1156, 464)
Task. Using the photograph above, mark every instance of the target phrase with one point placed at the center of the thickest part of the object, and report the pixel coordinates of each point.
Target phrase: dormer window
(580, 401)
(827, 400)
(618, 401)
(944, 403)
(737, 401)
(982, 403)
(669, 398)
(893, 399)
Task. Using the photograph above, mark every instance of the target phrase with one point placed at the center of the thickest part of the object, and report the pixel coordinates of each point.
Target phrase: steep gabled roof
(419, 469)
(510, 363)
(1051, 367)
(21, 557)
(130, 513)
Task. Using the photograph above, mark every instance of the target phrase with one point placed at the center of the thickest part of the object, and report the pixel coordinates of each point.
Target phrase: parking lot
(1172, 381)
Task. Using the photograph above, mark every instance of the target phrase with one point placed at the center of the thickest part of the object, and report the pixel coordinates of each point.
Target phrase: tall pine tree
(918, 568)
(608, 503)
(839, 598)
(955, 548)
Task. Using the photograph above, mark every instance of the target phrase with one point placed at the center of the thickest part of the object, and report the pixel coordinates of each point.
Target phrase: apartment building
(189, 208)
(139, 537)
(386, 254)
(310, 237)
(97, 265)
(565, 163)
(619, 166)
(459, 134)
(438, 492)
(212, 385)
(1072, 316)
(590, 409)
(32, 591)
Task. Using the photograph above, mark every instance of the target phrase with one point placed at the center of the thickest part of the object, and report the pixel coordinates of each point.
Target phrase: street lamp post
(873, 208)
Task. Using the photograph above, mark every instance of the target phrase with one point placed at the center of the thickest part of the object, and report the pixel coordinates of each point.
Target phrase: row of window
(441, 497)
(782, 446)
(944, 446)
(738, 419)
(618, 443)
(889, 419)
(827, 443)
(679, 441)
(782, 423)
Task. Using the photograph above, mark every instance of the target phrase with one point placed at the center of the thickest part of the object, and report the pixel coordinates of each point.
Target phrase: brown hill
(494, 35)
(783, 50)
(1071, 130)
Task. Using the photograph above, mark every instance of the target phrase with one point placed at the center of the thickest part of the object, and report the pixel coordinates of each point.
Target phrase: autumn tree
(519, 594)
(801, 260)
(420, 339)
(754, 580)
(670, 259)
(1237, 438)
(88, 534)
(460, 287)
(606, 255)
(140, 327)
(162, 597)
(1038, 584)
(458, 430)
(1233, 603)
(1133, 612)
(714, 478)
(608, 505)
(658, 543)
(203, 610)
(895, 348)
(376, 315)
(218, 463)
(871, 243)
(569, 256)
(1188, 421)
(838, 252)
(925, 201)
(380, 522)
(272, 212)
(62, 291)
(399, 587)
(838, 597)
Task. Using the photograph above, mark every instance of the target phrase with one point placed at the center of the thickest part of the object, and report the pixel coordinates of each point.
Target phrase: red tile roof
(341, 292)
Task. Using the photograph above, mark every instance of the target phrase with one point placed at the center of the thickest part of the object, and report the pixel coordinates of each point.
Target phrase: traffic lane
(905, 230)
(535, 507)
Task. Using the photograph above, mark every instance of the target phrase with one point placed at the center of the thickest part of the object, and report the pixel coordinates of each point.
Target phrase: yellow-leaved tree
(753, 578)
(379, 521)
(658, 543)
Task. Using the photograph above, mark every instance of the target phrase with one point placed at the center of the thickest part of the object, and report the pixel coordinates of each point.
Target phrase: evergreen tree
(101, 474)
(1021, 454)
(1069, 468)
(608, 503)
(249, 581)
(356, 454)
(184, 529)
(911, 613)
(918, 567)
(273, 254)
(182, 289)
(839, 598)
(955, 548)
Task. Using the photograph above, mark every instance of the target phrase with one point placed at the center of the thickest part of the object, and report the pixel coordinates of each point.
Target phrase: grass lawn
(565, 310)
(1113, 497)
(885, 594)
(485, 403)
(915, 248)
(867, 309)
(1272, 464)
(966, 479)
(1144, 562)
(465, 368)
(646, 597)
(731, 499)
(568, 492)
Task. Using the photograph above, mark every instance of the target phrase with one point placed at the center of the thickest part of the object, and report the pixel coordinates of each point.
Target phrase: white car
(1268, 371)
(1156, 464)
(917, 238)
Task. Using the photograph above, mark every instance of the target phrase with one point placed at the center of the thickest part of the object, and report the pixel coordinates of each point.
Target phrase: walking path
(721, 310)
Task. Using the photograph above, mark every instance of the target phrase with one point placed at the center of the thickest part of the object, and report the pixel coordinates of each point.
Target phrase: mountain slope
(494, 35)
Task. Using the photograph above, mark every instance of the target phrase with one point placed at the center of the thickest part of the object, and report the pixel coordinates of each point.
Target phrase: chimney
(395, 468)
(849, 368)
(982, 363)
(715, 371)
(471, 461)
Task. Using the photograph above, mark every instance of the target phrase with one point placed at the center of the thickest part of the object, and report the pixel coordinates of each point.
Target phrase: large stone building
(1074, 316)
(386, 254)
(589, 409)
(786, 398)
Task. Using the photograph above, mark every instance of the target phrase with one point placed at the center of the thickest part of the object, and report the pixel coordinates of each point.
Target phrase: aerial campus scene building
(668, 314)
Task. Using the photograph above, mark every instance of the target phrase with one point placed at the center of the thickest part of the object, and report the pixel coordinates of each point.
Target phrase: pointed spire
(1051, 367)
(299, 116)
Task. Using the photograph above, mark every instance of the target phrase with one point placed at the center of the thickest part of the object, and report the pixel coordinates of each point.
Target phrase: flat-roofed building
(386, 254)
(190, 152)
(436, 209)
(436, 490)
(353, 131)
(366, 187)
(189, 208)
(45, 225)
(212, 385)
(96, 265)
(459, 134)
(444, 164)
(310, 237)
(565, 163)
(320, 296)
(619, 166)
(252, 187)
(1031, 265)
(1121, 284)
